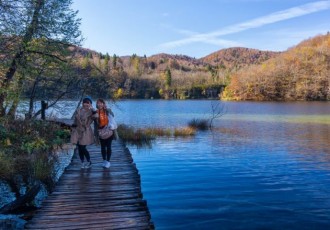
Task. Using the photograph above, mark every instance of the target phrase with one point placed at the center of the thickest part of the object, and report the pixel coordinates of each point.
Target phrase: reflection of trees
(310, 141)
(316, 140)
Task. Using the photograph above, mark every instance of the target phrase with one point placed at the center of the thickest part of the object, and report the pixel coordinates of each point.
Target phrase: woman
(103, 121)
(82, 133)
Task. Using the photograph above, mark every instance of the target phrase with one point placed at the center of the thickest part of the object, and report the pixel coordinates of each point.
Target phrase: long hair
(105, 105)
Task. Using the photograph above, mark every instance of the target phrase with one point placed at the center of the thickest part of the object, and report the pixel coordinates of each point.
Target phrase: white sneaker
(104, 163)
(107, 164)
(82, 165)
(88, 164)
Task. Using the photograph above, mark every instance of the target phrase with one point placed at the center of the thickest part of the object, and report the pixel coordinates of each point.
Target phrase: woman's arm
(110, 112)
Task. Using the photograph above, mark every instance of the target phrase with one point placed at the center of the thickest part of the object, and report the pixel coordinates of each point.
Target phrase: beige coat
(83, 133)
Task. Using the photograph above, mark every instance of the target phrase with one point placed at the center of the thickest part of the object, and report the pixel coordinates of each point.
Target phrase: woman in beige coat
(82, 133)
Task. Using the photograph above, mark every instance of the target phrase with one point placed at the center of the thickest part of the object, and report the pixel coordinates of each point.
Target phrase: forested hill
(238, 57)
(300, 73)
(165, 75)
(230, 58)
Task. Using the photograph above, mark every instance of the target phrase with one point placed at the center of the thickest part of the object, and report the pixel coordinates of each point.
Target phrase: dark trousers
(83, 153)
(106, 148)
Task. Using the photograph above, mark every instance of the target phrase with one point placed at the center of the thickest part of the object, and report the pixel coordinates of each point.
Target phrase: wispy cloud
(212, 37)
(213, 41)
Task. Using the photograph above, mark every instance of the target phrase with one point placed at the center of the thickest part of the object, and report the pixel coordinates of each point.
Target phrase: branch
(46, 54)
(218, 110)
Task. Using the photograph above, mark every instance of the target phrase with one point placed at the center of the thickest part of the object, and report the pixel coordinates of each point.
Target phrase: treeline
(301, 73)
(164, 76)
(157, 77)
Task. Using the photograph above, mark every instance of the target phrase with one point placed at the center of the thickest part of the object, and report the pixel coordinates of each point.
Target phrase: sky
(197, 28)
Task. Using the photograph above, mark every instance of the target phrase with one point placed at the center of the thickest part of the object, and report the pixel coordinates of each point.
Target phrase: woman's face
(100, 105)
(87, 105)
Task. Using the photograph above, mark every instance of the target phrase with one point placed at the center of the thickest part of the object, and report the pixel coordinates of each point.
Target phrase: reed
(134, 136)
(144, 137)
(158, 132)
(183, 132)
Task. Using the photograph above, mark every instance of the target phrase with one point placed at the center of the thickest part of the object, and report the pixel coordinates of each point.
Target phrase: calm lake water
(264, 166)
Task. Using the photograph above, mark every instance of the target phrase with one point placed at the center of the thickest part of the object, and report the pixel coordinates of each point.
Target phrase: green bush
(28, 152)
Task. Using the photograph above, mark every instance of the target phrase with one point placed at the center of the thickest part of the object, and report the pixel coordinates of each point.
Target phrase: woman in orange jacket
(103, 121)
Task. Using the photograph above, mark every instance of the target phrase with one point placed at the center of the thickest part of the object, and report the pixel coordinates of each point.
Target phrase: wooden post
(44, 106)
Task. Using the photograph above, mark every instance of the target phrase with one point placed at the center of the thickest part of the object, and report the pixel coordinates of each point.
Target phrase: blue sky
(198, 27)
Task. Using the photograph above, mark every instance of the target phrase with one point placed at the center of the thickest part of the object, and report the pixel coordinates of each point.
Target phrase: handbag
(105, 133)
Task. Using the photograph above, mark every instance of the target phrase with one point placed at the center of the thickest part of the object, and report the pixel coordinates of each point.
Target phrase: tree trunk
(19, 202)
(13, 108)
(31, 30)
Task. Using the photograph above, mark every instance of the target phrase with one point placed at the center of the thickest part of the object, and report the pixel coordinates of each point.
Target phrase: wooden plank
(96, 198)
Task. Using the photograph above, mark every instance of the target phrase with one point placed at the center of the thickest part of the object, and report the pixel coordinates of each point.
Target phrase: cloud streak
(212, 37)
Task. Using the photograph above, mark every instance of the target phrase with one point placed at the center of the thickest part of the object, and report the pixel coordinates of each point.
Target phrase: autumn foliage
(300, 73)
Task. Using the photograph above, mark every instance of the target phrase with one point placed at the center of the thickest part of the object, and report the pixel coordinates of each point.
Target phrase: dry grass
(135, 137)
(186, 131)
(158, 132)
(144, 137)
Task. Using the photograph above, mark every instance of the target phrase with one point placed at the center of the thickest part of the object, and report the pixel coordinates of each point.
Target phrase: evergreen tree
(114, 61)
(168, 78)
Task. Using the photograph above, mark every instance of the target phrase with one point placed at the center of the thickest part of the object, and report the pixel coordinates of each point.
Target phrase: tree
(114, 61)
(218, 110)
(51, 83)
(119, 93)
(136, 65)
(41, 27)
(168, 78)
(106, 63)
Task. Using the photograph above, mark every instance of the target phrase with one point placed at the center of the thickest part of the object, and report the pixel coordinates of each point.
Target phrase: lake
(265, 165)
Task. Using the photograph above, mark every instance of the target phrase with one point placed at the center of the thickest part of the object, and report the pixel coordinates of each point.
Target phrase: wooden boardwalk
(96, 198)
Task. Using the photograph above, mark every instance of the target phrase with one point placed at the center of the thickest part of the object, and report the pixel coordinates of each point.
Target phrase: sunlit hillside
(238, 57)
(168, 76)
(300, 73)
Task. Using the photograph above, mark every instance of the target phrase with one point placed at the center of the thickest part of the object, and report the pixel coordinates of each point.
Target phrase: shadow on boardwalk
(96, 198)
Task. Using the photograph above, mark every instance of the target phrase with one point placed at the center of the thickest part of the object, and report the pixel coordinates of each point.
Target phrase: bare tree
(218, 109)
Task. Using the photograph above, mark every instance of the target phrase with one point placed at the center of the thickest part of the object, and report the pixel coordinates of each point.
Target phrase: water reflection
(246, 174)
